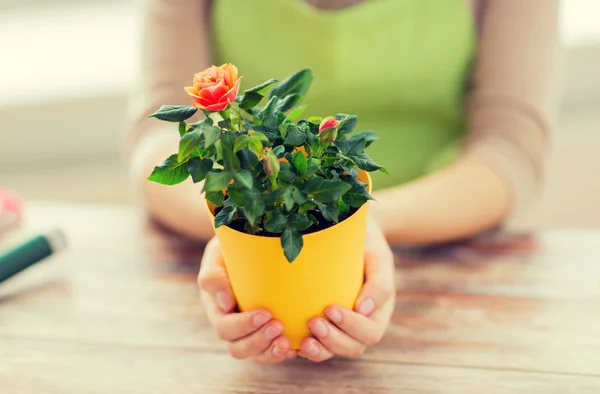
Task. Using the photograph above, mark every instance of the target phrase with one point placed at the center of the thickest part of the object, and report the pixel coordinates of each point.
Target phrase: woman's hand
(251, 334)
(347, 333)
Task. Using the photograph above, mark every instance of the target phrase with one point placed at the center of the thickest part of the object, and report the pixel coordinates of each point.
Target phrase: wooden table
(119, 313)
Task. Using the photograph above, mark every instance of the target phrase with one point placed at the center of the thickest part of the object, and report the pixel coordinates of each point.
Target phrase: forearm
(180, 207)
(463, 199)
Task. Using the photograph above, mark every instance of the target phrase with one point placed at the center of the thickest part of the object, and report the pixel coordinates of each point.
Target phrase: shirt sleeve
(175, 45)
(512, 92)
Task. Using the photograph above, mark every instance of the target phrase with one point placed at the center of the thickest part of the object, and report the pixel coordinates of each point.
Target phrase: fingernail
(334, 315)
(272, 332)
(224, 301)
(279, 352)
(312, 349)
(366, 307)
(260, 320)
(319, 329)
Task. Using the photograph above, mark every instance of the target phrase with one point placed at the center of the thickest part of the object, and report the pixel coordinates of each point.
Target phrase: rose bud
(271, 164)
(328, 130)
(215, 87)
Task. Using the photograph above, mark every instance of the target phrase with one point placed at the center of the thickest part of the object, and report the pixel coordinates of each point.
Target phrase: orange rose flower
(215, 87)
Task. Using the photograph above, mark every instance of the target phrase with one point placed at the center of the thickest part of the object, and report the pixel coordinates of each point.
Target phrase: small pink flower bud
(328, 122)
(328, 130)
(271, 164)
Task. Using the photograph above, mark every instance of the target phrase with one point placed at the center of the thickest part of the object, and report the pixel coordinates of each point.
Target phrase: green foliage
(174, 113)
(269, 171)
(170, 172)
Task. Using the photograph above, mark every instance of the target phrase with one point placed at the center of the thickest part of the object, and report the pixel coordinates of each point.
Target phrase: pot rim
(361, 174)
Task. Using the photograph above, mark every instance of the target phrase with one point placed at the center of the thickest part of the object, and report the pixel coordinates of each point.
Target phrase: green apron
(400, 65)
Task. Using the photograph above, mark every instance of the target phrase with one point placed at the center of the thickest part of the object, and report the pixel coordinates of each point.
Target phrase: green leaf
(241, 142)
(182, 128)
(174, 113)
(294, 136)
(254, 211)
(288, 198)
(279, 151)
(300, 163)
(244, 178)
(292, 243)
(276, 223)
(330, 212)
(299, 197)
(351, 170)
(347, 123)
(249, 100)
(358, 193)
(225, 216)
(288, 102)
(263, 87)
(240, 195)
(271, 198)
(364, 162)
(216, 181)
(188, 143)
(268, 109)
(324, 190)
(368, 136)
(198, 168)
(216, 198)
(211, 135)
(352, 146)
(255, 145)
(307, 206)
(225, 124)
(342, 206)
(298, 222)
(297, 83)
(259, 136)
(295, 113)
(170, 172)
(315, 119)
(203, 122)
(230, 160)
(253, 96)
(285, 173)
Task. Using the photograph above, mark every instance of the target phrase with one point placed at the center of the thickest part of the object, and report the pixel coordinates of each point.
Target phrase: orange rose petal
(231, 73)
(214, 93)
(192, 91)
(217, 107)
(232, 93)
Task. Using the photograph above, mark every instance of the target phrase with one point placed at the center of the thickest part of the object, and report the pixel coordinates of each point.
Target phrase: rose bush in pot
(288, 196)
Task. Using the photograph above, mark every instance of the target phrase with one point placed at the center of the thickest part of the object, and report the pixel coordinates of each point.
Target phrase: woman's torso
(400, 65)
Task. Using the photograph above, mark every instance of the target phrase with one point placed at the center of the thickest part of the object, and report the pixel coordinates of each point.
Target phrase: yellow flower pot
(329, 270)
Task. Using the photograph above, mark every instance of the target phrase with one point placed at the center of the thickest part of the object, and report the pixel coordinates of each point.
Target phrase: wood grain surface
(119, 312)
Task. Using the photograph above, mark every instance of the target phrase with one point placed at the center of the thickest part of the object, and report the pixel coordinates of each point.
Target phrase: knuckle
(203, 280)
(221, 332)
(373, 339)
(236, 352)
(357, 352)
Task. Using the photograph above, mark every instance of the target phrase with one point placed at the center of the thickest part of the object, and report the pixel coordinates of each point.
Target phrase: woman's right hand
(251, 334)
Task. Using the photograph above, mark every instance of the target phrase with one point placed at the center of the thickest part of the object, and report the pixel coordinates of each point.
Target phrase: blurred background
(67, 67)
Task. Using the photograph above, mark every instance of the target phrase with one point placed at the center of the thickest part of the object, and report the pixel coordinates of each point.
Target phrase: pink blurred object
(10, 210)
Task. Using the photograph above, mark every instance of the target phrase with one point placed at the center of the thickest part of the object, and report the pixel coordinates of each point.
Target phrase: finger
(213, 278)
(362, 328)
(379, 286)
(335, 340)
(234, 326)
(257, 342)
(278, 351)
(313, 350)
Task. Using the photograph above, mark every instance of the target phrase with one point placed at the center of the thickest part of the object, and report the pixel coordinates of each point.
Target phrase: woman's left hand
(347, 333)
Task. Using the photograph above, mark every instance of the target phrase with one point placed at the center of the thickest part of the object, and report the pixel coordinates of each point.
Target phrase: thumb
(213, 278)
(379, 284)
